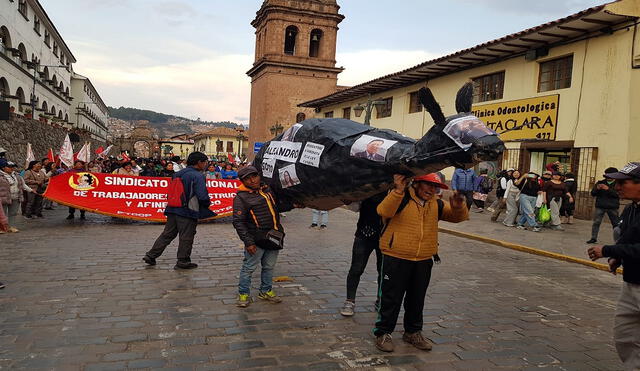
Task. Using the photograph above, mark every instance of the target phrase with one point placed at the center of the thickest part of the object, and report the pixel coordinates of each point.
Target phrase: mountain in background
(166, 125)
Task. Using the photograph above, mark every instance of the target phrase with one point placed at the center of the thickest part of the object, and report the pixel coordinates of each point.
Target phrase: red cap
(431, 178)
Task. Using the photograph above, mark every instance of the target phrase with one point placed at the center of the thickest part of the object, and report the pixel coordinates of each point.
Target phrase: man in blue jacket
(183, 220)
(463, 182)
(626, 252)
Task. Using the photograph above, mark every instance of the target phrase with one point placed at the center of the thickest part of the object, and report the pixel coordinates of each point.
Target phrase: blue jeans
(316, 217)
(268, 259)
(527, 209)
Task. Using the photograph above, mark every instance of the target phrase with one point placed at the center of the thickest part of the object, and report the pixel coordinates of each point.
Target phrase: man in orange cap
(409, 243)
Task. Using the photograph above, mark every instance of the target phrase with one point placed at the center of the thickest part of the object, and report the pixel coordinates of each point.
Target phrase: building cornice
(266, 63)
(44, 17)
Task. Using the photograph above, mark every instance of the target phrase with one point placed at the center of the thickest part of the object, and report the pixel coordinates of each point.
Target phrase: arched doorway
(142, 149)
(4, 88)
(22, 101)
(5, 39)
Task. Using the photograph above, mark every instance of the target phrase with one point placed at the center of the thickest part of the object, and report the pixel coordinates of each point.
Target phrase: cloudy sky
(189, 57)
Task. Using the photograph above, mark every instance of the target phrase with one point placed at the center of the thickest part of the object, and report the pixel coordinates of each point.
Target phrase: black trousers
(176, 225)
(72, 211)
(402, 279)
(362, 249)
(468, 195)
(34, 204)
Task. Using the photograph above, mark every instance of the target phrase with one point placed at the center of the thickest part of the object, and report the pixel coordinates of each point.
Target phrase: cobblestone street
(78, 296)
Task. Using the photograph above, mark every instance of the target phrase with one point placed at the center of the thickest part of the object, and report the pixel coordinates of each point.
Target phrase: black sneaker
(314, 225)
(593, 240)
(323, 227)
(149, 260)
(185, 265)
(71, 216)
(1, 285)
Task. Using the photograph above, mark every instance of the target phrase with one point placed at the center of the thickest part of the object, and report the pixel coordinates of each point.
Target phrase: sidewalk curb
(530, 250)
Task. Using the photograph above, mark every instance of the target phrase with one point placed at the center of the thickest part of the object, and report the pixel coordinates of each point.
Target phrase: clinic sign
(523, 119)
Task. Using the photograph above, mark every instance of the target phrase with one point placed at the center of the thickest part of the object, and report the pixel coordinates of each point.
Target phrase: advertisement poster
(130, 197)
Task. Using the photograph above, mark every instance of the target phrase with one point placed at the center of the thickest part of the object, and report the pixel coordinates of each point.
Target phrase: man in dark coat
(183, 220)
(607, 202)
(626, 252)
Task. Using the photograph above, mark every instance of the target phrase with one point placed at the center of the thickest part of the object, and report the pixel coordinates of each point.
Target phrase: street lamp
(240, 138)
(218, 146)
(276, 129)
(35, 66)
(368, 107)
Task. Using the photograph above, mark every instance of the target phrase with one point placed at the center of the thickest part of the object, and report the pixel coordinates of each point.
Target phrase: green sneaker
(243, 300)
(270, 296)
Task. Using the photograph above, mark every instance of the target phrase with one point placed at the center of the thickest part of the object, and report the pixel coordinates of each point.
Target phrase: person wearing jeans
(320, 217)
(367, 240)
(607, 203)
(256, 215)
(267, 259)
(529, 189)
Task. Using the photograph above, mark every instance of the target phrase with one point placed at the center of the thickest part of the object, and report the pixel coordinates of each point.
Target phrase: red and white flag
(105, 152)
(125, 157)
(230, 157)
(85, 152)
(66, 152)
(50, 155)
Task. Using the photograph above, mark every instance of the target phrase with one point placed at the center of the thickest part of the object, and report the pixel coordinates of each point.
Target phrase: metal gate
(584, 163)
(511, 159)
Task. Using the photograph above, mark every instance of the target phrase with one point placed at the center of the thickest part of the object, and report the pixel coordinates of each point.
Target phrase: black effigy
(326, 163)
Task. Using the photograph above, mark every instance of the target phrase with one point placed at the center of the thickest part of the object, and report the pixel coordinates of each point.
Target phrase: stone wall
(18, 131)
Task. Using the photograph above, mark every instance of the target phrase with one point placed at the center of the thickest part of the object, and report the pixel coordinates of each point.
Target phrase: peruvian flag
(66, 152)
(50, 155)
(125, 158)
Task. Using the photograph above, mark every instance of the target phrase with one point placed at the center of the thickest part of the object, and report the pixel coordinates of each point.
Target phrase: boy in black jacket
(607, 202)
(256, 213)
(626, 252)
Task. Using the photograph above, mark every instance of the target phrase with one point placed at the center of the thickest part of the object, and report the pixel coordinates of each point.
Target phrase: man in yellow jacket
(408, 244)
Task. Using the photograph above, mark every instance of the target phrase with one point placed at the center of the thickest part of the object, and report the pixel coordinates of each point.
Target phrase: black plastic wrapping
(324, 163)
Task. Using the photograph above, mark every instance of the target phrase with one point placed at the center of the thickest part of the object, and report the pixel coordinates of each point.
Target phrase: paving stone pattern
(78, 297)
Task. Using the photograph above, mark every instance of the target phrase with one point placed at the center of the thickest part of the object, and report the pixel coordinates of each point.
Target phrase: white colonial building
(90, 111)
(36, 69)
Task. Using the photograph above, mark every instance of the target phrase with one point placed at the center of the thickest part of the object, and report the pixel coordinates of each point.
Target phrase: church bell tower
(295, 61)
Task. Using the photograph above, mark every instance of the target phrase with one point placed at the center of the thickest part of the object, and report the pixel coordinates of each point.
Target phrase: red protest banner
(130, 197)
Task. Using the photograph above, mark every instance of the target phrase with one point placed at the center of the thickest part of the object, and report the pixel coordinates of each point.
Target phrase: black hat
(610, 170)
(246, 171)
(630, 171)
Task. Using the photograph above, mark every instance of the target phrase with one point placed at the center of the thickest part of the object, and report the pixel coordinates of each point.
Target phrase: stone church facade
(295, 61)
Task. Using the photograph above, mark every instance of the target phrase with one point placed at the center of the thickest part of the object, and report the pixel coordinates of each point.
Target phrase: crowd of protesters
(21, 190)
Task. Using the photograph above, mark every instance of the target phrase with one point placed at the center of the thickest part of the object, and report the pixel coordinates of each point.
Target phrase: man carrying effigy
(408, 244)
